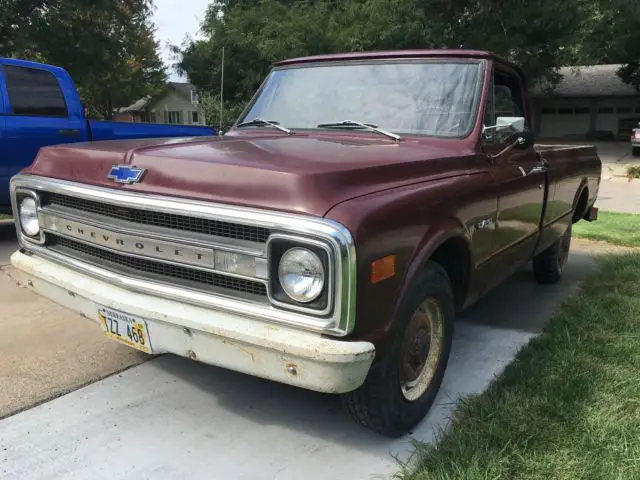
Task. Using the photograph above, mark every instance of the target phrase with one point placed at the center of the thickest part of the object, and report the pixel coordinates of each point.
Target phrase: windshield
(432, 98)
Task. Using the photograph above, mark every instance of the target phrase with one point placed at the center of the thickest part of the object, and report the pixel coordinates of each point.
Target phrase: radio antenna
(221, 90)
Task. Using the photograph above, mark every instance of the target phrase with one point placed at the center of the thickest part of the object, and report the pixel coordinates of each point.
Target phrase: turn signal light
(383, 268)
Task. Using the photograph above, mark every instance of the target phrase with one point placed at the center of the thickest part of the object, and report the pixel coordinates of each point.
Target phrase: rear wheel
(549, 264)
(635, 151)
(402, 386)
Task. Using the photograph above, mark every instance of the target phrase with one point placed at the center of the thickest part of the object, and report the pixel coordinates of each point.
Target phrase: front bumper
(266, 350)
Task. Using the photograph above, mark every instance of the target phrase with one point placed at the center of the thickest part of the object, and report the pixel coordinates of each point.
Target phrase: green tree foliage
(106, 45)
(19, 18)
(612, 35)
(539, 35)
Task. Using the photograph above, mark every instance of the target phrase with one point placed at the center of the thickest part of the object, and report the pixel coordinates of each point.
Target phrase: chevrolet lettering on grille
(150, 248)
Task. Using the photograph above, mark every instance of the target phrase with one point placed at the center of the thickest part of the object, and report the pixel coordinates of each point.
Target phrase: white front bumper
(238, 343)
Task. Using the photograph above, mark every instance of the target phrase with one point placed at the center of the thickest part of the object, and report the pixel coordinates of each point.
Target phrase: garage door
(564, 121)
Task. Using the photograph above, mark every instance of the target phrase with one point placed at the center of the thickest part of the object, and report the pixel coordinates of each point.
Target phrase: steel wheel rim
(418, 367)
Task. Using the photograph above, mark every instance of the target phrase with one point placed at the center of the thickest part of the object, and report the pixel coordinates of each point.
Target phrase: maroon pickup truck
(328, 239)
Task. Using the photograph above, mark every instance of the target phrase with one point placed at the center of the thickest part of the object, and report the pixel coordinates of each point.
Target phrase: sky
(174, 19)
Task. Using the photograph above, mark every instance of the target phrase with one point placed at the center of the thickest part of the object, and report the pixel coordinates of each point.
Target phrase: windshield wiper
(354, 124)
(260, 122)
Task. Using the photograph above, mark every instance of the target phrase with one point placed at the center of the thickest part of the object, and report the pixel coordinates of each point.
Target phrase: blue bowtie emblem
(125, 174)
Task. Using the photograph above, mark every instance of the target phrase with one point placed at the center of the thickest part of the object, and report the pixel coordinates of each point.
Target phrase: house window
(605, 110)
(173, 117)
(195, 98)
(548, 110)
(194, 117)
(565, 111)
(581, 110)
(624, 110)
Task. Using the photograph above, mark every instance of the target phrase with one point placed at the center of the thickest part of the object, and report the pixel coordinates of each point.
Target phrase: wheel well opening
(581, 206)
(453, 255)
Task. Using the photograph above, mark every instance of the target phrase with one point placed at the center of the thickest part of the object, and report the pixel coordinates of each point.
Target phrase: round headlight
(29, 217)
(301, 274)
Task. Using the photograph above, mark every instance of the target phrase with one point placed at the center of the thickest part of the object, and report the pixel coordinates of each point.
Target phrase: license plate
(124, 328)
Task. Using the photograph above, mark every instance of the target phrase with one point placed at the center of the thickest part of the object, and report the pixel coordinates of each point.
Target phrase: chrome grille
(117, 262)
(161, 219)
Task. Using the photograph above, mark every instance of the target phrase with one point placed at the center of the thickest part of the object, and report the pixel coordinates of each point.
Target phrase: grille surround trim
(340, 322)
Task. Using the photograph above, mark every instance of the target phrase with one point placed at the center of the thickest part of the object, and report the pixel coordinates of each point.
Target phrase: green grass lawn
(616, 228)
(568, 407)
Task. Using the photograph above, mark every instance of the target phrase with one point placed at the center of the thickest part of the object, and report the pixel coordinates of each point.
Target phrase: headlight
(29, 216)
(301, 274)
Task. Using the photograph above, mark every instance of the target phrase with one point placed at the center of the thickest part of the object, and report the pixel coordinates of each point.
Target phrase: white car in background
(635, 141)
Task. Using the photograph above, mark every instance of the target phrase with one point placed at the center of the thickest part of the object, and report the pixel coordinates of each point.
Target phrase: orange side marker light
(383, 268)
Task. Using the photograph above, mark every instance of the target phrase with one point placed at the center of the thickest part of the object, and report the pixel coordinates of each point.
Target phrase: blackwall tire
(402, 386)
(549, 264)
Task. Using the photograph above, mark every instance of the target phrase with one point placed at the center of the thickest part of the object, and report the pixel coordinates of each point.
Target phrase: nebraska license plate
(124, 328)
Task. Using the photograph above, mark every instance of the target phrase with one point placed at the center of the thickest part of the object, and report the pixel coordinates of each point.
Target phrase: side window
(34, 92)
(506, 101)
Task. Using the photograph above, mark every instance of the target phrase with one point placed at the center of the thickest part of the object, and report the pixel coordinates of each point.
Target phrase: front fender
(388, 228)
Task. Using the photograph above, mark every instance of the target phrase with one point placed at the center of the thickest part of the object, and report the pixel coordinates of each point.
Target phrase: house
(589, 102)
(177, 104)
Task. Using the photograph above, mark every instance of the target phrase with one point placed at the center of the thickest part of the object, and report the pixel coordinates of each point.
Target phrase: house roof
(182, 88)
(587, 81)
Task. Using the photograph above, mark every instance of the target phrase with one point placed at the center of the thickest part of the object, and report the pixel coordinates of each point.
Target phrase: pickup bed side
(40, 106)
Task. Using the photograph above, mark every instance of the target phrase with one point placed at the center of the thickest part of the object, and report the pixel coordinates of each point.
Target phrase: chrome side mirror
(506, 123)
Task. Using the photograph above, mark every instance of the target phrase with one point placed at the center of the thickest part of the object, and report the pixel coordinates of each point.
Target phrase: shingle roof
(588, 81)
(183, 88)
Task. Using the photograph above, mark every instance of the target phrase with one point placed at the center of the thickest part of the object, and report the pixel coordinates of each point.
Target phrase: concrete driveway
(44, 350)
(616, 192)
(171, 418)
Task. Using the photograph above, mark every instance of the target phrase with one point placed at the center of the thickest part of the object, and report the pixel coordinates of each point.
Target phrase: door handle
(538, 169)
(69, 132)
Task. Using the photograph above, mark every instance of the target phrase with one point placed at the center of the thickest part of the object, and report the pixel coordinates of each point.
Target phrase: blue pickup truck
(39, 106)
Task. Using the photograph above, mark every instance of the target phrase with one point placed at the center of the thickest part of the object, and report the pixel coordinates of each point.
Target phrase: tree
(19, 19)
(256, 33)
(538, 35)
(107, 46)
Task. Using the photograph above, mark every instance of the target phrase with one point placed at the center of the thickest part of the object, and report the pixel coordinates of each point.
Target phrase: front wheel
(401, 388)
(549, 264)
(635, 151)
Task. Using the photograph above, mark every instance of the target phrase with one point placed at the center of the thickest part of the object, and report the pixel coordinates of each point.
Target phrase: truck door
(37, 115)
(520, 190)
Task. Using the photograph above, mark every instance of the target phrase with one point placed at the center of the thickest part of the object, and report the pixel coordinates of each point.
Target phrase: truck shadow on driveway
(487, 336)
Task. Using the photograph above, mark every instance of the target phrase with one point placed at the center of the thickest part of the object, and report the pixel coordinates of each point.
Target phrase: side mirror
(506, 123)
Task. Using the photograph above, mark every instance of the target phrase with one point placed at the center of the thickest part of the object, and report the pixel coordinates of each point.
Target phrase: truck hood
(302, 173)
